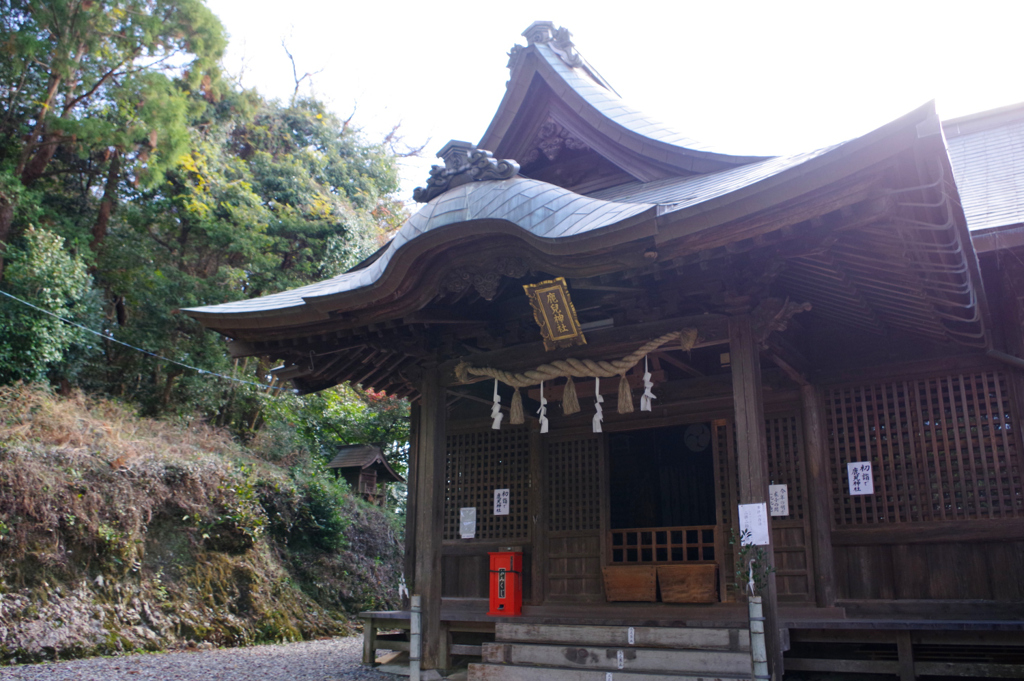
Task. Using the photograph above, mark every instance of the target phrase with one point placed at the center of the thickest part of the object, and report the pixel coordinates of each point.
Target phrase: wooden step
(498, 672)
(619, 659)
(643, 637)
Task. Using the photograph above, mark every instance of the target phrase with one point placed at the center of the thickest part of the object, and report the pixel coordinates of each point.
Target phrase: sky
(751, 78)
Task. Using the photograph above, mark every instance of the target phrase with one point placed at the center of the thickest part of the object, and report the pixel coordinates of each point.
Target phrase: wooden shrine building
(366, 471)
(859, 304)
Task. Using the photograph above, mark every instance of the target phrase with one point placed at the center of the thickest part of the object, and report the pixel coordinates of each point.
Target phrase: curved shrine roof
(593, 113)
(683, 201)
(987, 153)
(676, 193)
(584, 81)
(537, 210)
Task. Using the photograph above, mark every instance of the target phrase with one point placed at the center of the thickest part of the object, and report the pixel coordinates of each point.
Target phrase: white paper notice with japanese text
(501, 502)
(861, 480)
(778, 500)
(467, 523)
(754, 519)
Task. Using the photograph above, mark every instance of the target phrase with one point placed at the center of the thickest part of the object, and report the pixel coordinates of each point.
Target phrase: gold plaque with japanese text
(555, 314)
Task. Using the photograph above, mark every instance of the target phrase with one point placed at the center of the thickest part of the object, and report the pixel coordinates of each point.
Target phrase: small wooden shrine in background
(366, 471)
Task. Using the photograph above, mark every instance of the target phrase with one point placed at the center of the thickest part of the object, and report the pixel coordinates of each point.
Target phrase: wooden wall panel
(479, 462)
(574, 567)
(944, 455)
(962, 571)
(794, 577)
(941, 448)
(726, 482)
(574, 509)
(465, 576)
(574, 483)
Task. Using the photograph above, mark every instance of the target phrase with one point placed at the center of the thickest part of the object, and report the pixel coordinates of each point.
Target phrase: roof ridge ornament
(545, 33)
(463, 163)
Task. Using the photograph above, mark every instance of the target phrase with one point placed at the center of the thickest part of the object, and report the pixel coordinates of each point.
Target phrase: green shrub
(321, 521)
(40, 271)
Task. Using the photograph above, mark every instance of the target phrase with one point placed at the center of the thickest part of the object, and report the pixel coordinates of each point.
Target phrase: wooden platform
(471, 615)
(579, 653)
(911, 629)
(474, 611)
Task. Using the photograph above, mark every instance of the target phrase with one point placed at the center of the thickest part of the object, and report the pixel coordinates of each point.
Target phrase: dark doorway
(662, 477)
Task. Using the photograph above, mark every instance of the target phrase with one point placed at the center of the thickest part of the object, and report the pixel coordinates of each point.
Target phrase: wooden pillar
(819, 493)
(430, 471)
(752, 458)
(538, 517)
(905, 656)
(412, 495)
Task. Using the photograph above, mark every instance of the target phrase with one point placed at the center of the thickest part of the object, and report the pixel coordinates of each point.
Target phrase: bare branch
(393, 139)
(345, 123)
(295, 73)
(106, 76)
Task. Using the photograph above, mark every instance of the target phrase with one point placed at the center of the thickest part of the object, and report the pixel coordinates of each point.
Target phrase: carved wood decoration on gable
(463, 163)
(486, 279)
(552, 140)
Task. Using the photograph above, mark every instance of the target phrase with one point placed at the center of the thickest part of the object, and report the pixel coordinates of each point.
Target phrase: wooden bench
(375, 622)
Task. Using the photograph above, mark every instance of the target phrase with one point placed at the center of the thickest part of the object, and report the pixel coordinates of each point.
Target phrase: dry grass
(101, 509)
(33, 413)
(85, 477)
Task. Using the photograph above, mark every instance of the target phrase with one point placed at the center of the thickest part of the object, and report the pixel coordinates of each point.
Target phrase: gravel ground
(331, 660)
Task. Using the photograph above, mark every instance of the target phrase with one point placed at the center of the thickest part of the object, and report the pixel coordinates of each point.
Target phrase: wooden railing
(652, 545)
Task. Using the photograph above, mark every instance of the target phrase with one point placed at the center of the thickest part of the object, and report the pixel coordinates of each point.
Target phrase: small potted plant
(752, 573)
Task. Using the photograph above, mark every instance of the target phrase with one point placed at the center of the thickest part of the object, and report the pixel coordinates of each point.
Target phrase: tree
(42, 273)
(172, 188)
(268, 197)
(103, 80)
(346, 415)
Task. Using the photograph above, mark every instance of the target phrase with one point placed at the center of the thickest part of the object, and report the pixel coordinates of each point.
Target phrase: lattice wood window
(663, 544)
(574, 484)
(941, 448)
(785, 460)
(478, 463)
(785, 465)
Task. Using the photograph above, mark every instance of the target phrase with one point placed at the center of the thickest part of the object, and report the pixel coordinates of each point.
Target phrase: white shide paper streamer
(645, 399)
(496, 409)
(598, 409)
(542, 413)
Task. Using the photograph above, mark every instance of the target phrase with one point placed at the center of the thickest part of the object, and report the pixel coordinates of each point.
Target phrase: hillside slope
(119, 533)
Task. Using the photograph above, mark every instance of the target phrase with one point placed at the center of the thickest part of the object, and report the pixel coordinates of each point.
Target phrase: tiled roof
(540, 209)
(676, 193)
(987, 153)
(609, 104)
(355, 455)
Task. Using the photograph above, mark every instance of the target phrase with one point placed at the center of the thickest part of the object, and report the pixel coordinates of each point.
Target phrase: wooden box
(689, 583)
(631, 583)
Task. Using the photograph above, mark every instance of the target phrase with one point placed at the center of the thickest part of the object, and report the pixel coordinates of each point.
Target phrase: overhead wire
(110, 337)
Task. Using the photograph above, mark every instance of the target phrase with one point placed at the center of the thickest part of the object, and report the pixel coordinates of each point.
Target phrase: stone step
(618, 659)
(642, 637)
(499, 672)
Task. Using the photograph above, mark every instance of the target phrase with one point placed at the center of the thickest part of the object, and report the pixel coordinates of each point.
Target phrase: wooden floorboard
(469, 613)
(663, 614)
(491, 672)
(706, 662)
